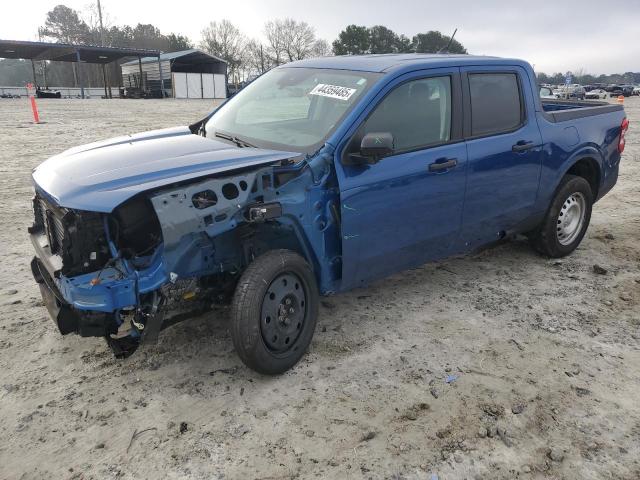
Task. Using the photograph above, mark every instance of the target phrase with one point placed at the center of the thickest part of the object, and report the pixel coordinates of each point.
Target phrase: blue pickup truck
(320, 176)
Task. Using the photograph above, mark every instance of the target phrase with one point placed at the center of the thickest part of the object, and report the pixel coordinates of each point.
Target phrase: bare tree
(578, 74)
(286, 40)
(289, 40)
(92, 18)
(275, 34)
(258, 60)
(321, 48)
(300, 38)
(224, 40)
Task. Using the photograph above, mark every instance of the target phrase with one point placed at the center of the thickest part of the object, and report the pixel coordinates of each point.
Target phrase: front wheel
(567, 219)
(274, 312)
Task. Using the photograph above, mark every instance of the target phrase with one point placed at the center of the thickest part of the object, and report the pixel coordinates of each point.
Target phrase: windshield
(290, 108)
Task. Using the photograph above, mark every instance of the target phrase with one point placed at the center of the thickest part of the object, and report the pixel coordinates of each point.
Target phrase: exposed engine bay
(162, 255)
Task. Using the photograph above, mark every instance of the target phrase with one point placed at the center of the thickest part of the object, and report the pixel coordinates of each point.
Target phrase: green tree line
(358, 40)
(588, 79)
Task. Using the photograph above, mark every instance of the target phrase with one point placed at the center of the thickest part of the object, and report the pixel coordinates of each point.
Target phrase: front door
(406, 208)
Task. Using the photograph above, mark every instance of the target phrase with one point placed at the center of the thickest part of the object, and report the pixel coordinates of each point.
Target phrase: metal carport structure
(64, 52)
(188, 63)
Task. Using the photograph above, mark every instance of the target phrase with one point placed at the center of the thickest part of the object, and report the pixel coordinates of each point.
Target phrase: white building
(185, 74)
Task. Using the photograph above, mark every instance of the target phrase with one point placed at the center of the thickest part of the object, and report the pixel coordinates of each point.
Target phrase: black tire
(545, 239)
(122, 347)
(250, 300)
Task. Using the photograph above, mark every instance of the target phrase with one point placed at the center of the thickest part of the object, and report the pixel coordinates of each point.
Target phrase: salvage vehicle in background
(617, 90)
(627, 90)
(596, 93)
(558, 92)
(47, 93)
(571, 91)
(547, 93)
(320, 176)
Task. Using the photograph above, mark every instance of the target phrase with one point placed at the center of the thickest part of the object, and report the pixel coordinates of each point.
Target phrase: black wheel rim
(284, 310)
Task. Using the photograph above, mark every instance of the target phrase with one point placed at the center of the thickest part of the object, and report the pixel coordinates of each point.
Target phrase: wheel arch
(588, 166)
(291, 236)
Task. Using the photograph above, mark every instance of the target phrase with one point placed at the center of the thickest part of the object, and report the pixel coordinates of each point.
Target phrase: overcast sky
(597, 36)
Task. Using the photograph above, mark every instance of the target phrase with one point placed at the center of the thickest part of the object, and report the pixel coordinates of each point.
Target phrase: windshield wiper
(232, 138)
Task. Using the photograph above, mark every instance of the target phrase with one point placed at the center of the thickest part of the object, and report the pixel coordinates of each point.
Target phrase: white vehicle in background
(636, 91)
(574, 90)
(596, 93)
(547, 93)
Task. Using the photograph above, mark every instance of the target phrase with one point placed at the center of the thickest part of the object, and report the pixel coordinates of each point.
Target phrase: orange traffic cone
(34, 108)
(620, 98)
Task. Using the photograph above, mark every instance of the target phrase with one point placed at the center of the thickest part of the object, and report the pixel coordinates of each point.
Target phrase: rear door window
(496, 103)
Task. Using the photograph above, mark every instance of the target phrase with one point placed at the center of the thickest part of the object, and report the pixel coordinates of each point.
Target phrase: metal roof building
(186, 74)
(63, 52)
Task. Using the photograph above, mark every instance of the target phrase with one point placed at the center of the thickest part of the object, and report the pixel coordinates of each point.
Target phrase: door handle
(443, 164)
(522, 146)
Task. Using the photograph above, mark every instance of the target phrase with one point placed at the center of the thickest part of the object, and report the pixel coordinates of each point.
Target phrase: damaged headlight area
(159, 257)
(76, 237)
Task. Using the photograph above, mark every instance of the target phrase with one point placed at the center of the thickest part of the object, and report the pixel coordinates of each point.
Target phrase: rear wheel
(274, 312)
(567, 219)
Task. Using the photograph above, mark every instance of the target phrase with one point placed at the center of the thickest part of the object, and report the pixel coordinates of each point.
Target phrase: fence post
(161, 77)
(80, 80)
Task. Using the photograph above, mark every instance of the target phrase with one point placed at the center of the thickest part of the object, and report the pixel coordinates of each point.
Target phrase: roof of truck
(393, 61)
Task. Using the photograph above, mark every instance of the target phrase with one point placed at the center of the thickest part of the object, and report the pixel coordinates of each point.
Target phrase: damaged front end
(98, 274)
(160, 256)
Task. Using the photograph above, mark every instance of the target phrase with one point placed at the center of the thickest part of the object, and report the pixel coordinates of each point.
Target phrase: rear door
(402, 211)
(504, 148)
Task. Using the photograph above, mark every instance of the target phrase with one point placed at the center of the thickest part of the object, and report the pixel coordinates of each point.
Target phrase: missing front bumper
(68, 319)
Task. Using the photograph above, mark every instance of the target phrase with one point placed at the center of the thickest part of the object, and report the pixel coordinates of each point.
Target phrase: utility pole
(44, 62)
(104, 67)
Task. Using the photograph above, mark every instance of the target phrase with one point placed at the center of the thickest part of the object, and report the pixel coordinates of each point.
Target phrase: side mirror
(373, 147)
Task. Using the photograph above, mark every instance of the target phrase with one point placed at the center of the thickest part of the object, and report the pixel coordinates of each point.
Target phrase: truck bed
(564, 110)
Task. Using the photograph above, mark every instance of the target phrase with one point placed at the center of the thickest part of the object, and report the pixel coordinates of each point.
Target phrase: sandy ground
(543, 357)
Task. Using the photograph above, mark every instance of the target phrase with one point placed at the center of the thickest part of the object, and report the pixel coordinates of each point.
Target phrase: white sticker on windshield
(332, 91)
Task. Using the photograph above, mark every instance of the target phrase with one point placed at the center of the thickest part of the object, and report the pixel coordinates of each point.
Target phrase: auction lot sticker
(332, 91)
